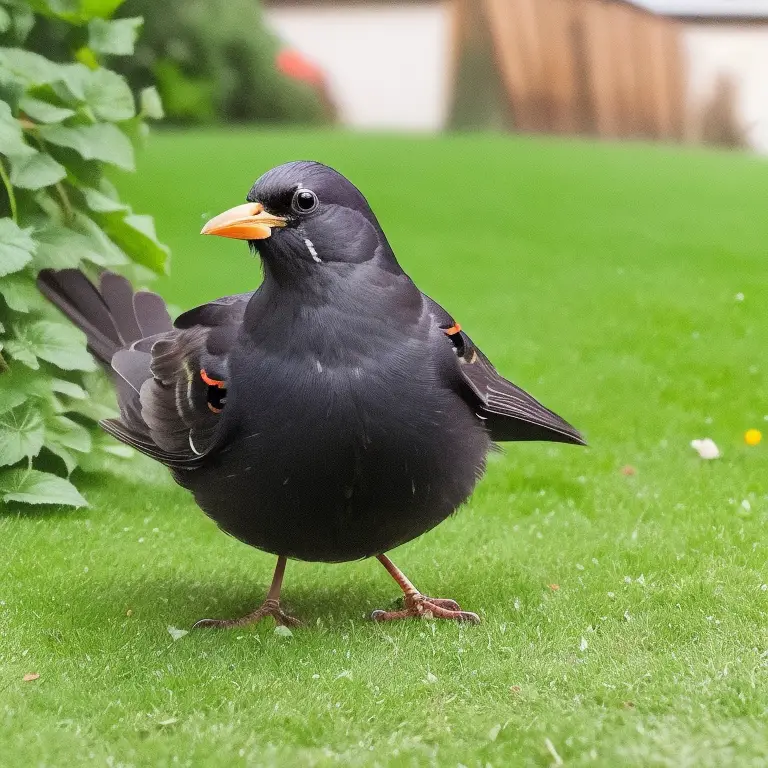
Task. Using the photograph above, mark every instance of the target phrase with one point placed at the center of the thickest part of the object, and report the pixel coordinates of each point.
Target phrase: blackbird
(331, 414)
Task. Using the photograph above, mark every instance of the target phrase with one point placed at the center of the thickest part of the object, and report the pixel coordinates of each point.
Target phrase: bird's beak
(244, 222)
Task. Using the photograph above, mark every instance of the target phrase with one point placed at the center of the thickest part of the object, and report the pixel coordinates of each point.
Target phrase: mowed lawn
(622, 587)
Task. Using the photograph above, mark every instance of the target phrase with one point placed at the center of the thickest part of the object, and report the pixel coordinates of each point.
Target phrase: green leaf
(11, 136)
(62, 345)
(70, 82)
(16, 247)
(11, 400)
(76, 11)
(31, 68)
(35, 487)
(103, 142)
(63, 248)
(69, 388)
(102, 250)
(37, 171)
(101, 203)
(68, 433)
(22, 22)
(5, 20)
(151, 103)
(136, 235)
(11, 90)
(21, 354)
(117, 37)
(21, 433)
(62, 436)
(43, 111)
(109, 96)
(20, 292)
(20, 379)
(101, 402)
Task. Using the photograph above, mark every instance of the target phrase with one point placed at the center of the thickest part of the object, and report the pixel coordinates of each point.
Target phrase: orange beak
(244, 222)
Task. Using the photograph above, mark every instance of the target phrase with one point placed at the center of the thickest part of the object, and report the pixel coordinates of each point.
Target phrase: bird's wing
(179, 382)
(171, 382)
(509, 412)
(228, 310)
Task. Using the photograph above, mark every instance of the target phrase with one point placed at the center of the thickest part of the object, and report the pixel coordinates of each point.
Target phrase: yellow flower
(753, 436)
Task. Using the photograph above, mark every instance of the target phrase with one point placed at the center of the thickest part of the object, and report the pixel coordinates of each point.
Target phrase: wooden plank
(529, 21)
(458, 31)
(508, 52)
(600, 68)
(559, 65)
(660, 77)
(677, 79)
(645, 103)
(625, 84)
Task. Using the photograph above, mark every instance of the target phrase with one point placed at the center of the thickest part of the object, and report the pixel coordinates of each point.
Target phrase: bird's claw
(423, 607)
(268, 608)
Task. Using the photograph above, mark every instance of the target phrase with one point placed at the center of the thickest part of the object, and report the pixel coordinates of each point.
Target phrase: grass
(625, 615)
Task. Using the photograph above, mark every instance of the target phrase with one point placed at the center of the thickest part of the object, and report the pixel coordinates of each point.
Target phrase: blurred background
(670, 70)
(673, 70)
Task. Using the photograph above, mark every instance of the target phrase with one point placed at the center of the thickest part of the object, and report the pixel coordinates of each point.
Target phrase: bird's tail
(112, 316)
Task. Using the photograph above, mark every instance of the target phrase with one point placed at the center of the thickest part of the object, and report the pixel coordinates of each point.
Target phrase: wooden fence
(584, 66)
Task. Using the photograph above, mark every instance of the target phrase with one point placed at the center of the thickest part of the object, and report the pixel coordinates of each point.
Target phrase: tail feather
(75, 295)
(112, 317)
(151, 313)
(117, 293)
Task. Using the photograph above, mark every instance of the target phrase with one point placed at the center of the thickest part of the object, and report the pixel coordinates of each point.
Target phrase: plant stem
(65, 200)
(9, 190)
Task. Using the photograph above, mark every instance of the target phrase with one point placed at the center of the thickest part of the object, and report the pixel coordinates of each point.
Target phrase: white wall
(387, 67)
(739, 52)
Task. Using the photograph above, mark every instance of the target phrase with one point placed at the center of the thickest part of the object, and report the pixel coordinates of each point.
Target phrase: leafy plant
(63, 126)
(210, 59)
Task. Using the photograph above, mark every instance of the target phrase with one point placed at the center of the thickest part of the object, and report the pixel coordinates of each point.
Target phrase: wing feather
(509, 412)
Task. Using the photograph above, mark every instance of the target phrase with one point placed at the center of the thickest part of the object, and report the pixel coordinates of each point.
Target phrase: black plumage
(331, 414)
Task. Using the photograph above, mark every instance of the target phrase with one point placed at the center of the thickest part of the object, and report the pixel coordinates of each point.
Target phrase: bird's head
(305, 214)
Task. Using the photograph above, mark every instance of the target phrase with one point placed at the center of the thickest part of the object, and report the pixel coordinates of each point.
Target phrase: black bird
(331, 414)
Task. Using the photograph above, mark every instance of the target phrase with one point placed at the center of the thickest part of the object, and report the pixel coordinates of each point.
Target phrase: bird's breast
(337, 456)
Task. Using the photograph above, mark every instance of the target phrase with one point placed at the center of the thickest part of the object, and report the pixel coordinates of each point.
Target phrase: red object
(293, 64)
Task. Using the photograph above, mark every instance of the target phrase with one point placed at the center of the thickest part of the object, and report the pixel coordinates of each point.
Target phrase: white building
(387, 64)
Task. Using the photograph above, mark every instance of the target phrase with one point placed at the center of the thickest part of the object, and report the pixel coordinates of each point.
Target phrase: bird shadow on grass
(182, 601)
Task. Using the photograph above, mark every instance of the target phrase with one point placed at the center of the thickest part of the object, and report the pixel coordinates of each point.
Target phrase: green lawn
(625, 616)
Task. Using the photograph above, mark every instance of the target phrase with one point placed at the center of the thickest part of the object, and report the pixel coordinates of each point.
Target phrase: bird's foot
(422, 607)
(268, 608)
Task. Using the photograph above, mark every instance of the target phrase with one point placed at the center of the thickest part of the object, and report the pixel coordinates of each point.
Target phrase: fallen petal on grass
(706, 448)
(177, 634)
(169, 721)
(30, 676)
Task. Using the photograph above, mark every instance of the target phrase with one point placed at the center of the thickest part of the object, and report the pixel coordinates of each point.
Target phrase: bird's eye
(304, 201)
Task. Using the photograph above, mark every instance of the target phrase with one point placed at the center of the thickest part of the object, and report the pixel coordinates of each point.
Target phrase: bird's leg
(418, 605)
(270, 607)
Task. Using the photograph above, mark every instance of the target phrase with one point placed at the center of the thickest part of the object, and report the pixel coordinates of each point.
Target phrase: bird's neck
(331, 295)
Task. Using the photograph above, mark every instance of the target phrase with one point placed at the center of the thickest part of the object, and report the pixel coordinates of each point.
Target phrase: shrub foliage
(210, 59)
(63, 126)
